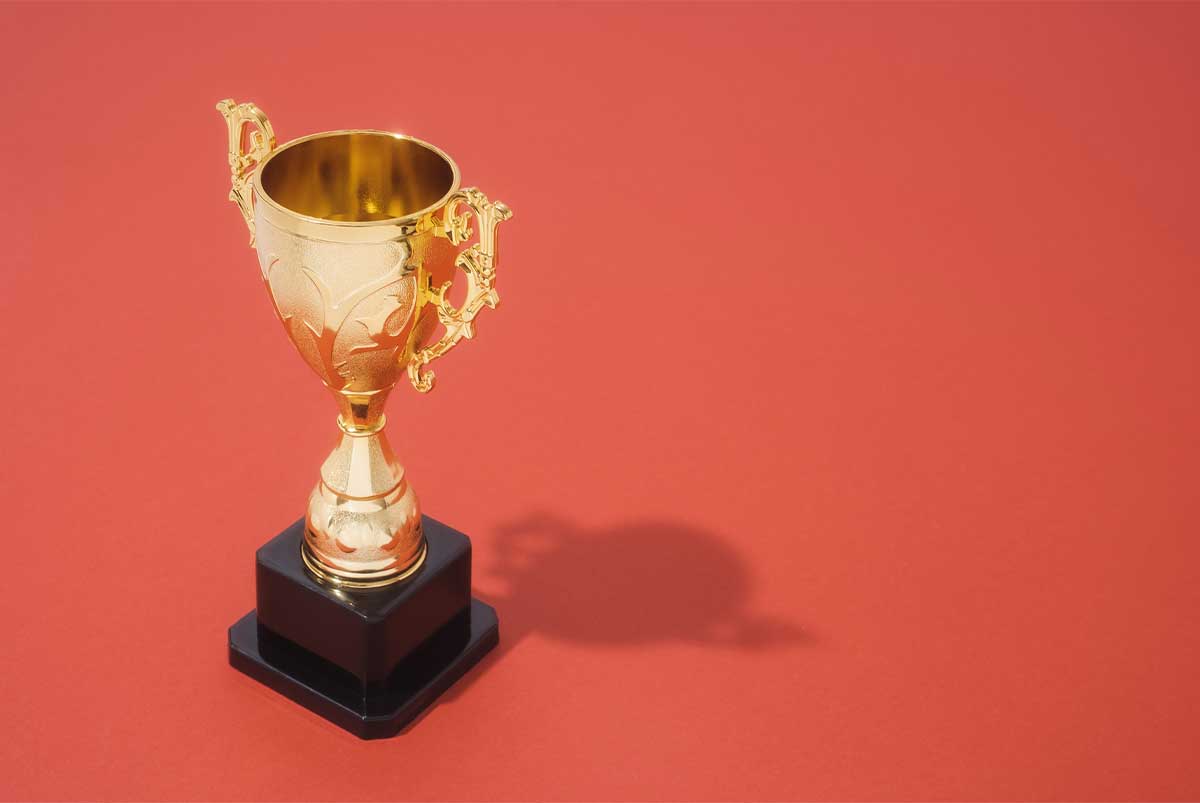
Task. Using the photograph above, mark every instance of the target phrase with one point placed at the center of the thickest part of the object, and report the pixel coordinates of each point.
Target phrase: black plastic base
(368, 661)
(309, 681)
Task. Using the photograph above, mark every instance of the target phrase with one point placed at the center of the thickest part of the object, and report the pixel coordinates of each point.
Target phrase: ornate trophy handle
(243, 161)
(478, 262)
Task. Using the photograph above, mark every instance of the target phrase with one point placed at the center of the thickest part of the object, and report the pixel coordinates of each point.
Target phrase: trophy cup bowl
(358, 233)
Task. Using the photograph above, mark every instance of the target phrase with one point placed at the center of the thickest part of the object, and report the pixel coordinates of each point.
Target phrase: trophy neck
(361, 412)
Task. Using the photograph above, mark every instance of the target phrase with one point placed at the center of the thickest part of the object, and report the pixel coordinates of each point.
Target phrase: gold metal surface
(322, 572)
(247, 149)
(353, 229)
(478, 262)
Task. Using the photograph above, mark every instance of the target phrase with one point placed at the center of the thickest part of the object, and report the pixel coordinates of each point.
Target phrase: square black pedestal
(369, 661)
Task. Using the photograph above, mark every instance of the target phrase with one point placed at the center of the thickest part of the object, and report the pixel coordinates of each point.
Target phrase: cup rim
(410, 218)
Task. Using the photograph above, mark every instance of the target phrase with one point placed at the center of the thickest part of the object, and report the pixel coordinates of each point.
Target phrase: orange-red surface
(836, 437)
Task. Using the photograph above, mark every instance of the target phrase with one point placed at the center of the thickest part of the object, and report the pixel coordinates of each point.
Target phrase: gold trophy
(358, 234)
(353, 230)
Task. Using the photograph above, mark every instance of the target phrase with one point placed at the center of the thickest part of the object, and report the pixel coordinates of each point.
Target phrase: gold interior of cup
(357, 176)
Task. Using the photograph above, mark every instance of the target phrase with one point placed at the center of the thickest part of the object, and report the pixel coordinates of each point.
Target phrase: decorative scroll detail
(478, 262)
(242, 162)
(337, 313)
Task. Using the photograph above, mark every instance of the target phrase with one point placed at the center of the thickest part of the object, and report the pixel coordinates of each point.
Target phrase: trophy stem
(363, 411)
(363, 526)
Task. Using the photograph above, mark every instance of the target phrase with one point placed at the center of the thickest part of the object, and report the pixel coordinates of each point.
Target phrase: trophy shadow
(640, 582)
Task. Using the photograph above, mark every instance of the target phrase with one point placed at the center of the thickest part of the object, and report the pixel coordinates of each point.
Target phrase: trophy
(363, 611)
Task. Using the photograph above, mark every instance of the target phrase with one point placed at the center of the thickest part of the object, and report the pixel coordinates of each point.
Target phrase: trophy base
(367, 661)
(318, 685)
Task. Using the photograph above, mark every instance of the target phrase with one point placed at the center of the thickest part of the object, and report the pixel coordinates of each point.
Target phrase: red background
(836, 437)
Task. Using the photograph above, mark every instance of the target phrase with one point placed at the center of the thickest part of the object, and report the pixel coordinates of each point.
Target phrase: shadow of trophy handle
(641, 582)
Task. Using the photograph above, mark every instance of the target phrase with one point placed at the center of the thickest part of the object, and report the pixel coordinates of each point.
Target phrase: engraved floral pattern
(348, 310)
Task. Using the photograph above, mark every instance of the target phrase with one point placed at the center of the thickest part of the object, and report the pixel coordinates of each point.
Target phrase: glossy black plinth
(323, 689)
(366, 632)
(368, 660)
